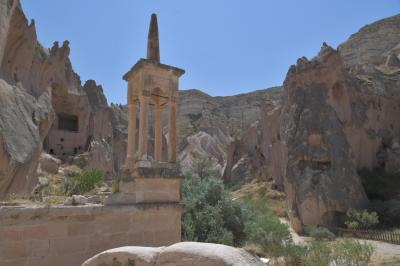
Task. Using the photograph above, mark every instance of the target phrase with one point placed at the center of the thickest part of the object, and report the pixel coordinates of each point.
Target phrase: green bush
(211, 214)
(319, 233)
(261, 192)
(83, 182)
(204, 168)
(344, 252)
(265, 229)
(317, 254)
(350, 252)
(361, 219)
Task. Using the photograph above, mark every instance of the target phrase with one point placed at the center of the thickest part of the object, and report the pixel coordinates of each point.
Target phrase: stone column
(157, 132)
(144, 100)
(172, 131)
(131, 149)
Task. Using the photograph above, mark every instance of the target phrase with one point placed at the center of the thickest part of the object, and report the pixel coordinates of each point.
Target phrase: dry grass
(275, 200)
(52, 194)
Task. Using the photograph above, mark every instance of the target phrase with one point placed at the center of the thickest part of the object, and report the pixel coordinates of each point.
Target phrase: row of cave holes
(76, 149)
(70, 123)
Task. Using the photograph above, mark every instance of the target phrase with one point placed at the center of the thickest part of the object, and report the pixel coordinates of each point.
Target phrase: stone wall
(68, 235)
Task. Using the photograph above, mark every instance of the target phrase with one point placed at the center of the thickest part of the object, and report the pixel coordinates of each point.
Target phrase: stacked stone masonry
(68, 235)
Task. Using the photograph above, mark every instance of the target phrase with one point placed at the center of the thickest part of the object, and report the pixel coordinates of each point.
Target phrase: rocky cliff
(44, 106)
(335, 118)
(78, 125)
(338, 117)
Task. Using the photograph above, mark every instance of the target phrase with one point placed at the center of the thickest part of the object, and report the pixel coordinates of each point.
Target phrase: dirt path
(385, 254)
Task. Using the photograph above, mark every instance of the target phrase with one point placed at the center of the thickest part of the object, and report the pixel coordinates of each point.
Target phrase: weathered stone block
(13, 250)
(35, 232)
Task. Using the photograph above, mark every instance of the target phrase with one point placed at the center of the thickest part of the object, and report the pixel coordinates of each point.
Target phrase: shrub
(317, 254)
(83, 182)
(345, 252)
(261, 192)
(265, 229)
(292, 253)
(319, 233)
(211, 213)
(204, 168)
(350, 252)
(361, 219)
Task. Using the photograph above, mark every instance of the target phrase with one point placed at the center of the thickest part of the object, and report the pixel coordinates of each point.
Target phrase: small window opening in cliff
(75, 150)
(68, 122)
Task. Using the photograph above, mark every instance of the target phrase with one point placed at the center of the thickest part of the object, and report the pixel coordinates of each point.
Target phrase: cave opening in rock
(68, 122)
(334, 218)
(380, 185)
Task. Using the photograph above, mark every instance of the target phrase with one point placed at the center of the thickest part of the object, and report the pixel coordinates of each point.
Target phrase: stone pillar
(157, 132)
(144, 100)
(172, 131)
(131, 150)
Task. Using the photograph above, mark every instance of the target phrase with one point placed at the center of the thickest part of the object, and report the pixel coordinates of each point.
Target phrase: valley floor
(385, 253)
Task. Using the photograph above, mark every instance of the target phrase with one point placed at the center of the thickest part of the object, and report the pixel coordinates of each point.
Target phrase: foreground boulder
(184, 253)
(49, 164)
(24, 123)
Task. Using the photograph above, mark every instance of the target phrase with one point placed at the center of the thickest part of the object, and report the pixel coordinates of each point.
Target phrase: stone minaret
(153, 46)
(151, 85)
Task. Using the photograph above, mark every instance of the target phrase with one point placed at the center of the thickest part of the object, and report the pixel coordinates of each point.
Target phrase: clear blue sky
(226, 46)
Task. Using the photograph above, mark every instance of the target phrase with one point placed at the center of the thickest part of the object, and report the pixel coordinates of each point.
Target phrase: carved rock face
(321, 179)
(24, 122)
(39, 86)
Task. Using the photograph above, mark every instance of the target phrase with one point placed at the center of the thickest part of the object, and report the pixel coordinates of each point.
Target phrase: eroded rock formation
(338, 116)
(46, 107)
(24, 121)
(183, 253)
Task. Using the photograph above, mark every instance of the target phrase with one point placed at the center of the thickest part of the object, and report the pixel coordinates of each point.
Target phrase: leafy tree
(211, 214)
(361, 219)
(265, 229)
(204, 168)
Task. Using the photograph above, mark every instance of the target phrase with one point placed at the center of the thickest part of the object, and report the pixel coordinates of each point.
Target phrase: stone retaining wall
(68, 235)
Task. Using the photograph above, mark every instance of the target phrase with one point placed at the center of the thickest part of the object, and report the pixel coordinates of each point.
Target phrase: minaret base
(148, 182)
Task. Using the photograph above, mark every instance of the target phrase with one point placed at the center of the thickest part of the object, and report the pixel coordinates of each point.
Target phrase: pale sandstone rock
(76, 200)
(372, 42)
(49, 164)
(36, 70)
(205, 254)
(142, 256)
(183, 253)
(203, 146)
(24, 122)
(42, 183)
(392, 60)
(321, 179)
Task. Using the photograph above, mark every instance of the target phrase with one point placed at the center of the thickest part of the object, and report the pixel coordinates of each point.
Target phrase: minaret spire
(153, 48)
